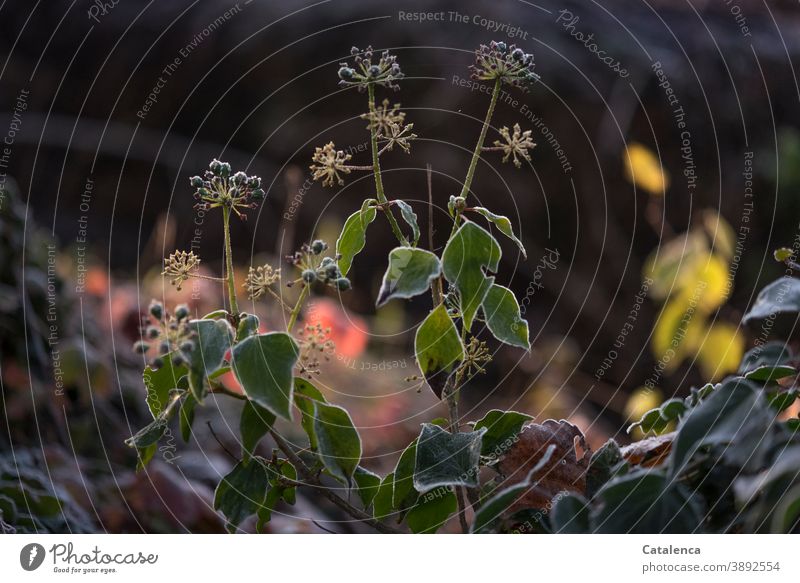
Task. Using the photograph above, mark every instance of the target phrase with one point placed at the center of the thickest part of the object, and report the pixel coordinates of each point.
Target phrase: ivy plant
(439, 473)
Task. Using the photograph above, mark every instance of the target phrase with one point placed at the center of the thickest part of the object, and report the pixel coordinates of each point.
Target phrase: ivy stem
(451, 394)
(296, 310)
(376, 170)
(313, 481)
(481, 138)
(226, 219)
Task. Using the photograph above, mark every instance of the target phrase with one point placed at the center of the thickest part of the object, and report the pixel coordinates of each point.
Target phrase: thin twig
(222, 445)
(313, 480)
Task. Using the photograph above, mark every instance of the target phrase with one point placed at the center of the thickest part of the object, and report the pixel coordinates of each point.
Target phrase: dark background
(261, 91)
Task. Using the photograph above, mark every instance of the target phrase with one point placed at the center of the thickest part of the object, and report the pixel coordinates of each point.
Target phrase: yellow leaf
(706, 283)
(644, 170)
(721, 351)
(641, 401)
(720, 233)
(677, 332)
(667, 263)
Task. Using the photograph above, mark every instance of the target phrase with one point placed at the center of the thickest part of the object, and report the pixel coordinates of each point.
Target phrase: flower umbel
(218, 188)
(516, 144)
(313, 269)
(385, 71)
(397, 136)
(315, 342)
(179, 266)
(509, 64)
(329, 163)
(476, 356)
(259, 279)
(383, 117)
(167, 331)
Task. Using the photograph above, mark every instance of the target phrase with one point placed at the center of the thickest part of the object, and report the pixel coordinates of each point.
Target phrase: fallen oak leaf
(564, 471)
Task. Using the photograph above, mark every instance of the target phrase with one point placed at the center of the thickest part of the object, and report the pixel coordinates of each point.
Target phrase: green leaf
(437, 347)
(432, 511)
(782, 400)
(354, 235)
(403, 494)
(736, 413)
(410, 217)
(773, 354)
(779, 297)
(570, 514)
(502, 428)
(255, 423)
(367, 484)
(657, 420)
(503, 225)
(212, 339)
(645, 502)
(160, 382)
(187, 416)
(338, 441)
(503, 317)
(263, 365)
(469, 251)
(242, 492)
(149, 434)
(288, 471)
(768, 373)
(410, 273)
(604, 464)
(382, 503)
(446, 459)
(248, 325)
(494, 507)
(304, 388)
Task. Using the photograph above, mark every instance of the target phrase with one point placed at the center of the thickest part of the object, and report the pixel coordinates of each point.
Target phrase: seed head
(510, 64)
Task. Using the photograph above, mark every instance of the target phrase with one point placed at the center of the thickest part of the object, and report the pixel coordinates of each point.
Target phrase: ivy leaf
(338, 441)
(570, 515)
(779, 297)
(306, 406)
(242, 492)
(410, 217)
(469, 251)
(159, 382)
(502, 428)
(149, 434)
(657, 420)
(503, 225)
(604, 464)
(768, 374)
(186, 416)
(255, 423)
(782, 400)
(367, 484)
(382, 503)
(736, 413)
(403, 493)
(503, 317)
(446, 459)
(263, 366)
(354, 235)
(437, 347)
(432, 511)
(501, 501)
(645, 502)
(771, 354)
(212, 339)
(409, 274)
